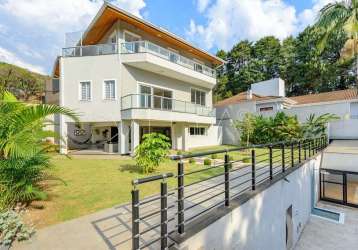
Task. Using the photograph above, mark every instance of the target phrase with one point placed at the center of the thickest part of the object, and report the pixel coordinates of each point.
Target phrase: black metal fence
(239, 170)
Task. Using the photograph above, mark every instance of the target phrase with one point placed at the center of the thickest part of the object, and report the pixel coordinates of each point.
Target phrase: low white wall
(344, 129)
(212, 138)
(340, 161)
(260, 223)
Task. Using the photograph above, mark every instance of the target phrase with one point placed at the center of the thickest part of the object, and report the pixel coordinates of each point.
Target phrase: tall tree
(341, 17)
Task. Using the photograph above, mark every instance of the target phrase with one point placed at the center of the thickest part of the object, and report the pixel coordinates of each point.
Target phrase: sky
(32, 32)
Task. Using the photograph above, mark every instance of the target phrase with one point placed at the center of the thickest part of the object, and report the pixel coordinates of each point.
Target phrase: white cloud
(228, 21)
(9, 57)
(41, 26)
(63, 15)
(202, 5)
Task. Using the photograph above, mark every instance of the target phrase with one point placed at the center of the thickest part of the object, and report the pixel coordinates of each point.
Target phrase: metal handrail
(149, 47)
(147, 101)
(90, 50)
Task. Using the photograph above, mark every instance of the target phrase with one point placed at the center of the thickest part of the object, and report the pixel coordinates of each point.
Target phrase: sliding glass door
(339, 186)
(157, 98)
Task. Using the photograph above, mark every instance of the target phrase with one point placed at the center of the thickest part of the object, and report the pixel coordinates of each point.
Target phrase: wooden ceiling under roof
(111, 14)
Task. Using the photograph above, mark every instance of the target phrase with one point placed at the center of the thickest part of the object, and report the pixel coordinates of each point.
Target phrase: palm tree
(317, 125)
(22, 125)
(341, 16)
(23, 157)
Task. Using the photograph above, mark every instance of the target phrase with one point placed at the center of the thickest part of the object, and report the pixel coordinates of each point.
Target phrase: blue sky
(32, 32)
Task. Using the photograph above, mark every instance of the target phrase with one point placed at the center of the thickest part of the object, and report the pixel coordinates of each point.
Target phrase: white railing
(149, 47)
(145, 101)
(90, 50)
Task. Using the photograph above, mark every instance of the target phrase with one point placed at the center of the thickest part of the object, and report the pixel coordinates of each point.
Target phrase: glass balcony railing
(144, 101)
(149, 47)
(90, 50)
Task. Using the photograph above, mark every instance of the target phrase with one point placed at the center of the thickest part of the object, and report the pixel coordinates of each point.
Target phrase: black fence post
(283, 156)
(309, 148)
(135, 219)
(299, 152)
(305, 149)
(253, 163)
(292, 155)
(163, 215)
(227, 180)
(270, 155)
(180, 197)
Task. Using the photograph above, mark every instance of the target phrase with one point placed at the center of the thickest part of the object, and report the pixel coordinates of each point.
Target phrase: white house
(268, 97)
(129, 77)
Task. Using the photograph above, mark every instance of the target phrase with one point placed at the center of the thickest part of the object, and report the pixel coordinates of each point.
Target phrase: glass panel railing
(145, 101)
(90, 50)
(146, 46)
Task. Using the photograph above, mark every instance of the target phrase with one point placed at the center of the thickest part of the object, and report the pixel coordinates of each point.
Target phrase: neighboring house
(343, 103)
(129, 78)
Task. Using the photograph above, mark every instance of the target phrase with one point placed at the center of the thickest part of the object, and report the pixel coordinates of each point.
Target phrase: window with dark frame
(197, 131)
(198, 97)
(266, 109)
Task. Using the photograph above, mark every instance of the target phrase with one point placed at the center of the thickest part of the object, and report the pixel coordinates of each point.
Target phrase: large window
(109, 90)
(198, 97)
(85, 91)
(153, 97)
(197, 131)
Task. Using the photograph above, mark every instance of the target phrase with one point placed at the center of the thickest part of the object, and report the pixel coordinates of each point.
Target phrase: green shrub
(191, 160)
(20, 179)
(207, 162)
(12, 228)
(231, 158)
(214, 156)
(179, 152)
(246, 160)
(152, 151)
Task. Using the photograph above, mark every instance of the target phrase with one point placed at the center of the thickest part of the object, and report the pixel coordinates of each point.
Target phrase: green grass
(90, 185)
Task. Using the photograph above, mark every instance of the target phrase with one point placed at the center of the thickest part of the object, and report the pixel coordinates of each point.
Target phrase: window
(198, 97)
(109, 90)
(85, 91)
(197, 131)
(161, 98)
(266, 109)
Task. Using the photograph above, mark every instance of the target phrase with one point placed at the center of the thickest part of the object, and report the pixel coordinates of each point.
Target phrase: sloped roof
(243, 97)
(339, 95)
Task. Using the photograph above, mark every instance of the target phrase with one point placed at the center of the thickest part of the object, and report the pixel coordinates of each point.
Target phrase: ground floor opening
(124, 136)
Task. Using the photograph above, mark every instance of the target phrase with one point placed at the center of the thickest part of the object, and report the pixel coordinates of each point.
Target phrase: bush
(246, 160)
(20, 179)
(214, 156)
(179, 152)
(207, 162)
(231, 158)
(152, 151)
(12, 228)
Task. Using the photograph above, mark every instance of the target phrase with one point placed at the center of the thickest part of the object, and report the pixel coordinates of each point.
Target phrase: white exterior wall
(273, 87)
(260, 223)
(226, 116)
(213, 137)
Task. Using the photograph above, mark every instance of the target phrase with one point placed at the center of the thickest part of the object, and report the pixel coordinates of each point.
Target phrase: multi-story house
(127, 78)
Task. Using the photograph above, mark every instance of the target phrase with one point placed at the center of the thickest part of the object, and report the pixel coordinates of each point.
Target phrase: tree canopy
(299, 61)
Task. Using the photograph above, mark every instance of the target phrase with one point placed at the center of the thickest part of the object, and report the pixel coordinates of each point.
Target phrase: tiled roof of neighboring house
(339, 95)
(243, 97)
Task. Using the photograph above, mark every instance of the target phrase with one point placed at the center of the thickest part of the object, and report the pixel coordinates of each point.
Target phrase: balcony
(90, 50)
(148, 56)
(154, 58)
(151, 107)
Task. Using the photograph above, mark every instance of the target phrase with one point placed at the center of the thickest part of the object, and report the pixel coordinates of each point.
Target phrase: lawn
(88, 184)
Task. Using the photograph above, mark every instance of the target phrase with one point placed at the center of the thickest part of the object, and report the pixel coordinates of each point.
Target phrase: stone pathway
(111, 228)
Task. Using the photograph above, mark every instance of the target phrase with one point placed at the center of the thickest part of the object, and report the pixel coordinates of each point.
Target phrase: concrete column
(185, 138)
(63, 134)
(134, 135)
(123, 138)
